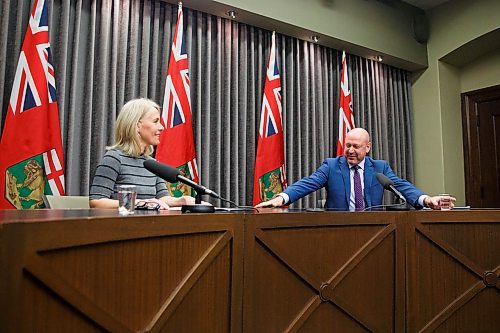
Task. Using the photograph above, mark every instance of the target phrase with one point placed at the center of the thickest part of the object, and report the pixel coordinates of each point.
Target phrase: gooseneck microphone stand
(197, 207)
(399, 206)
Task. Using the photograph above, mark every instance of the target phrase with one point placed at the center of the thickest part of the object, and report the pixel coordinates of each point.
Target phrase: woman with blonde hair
(137, 130)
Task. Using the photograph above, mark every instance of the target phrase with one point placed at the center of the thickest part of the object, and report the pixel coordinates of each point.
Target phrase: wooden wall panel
(206, 308)
(453, 272)
(126, 274)
(276, 271)
(310, 272)
(44, 311)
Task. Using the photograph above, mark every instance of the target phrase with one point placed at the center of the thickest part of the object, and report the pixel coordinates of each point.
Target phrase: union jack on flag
(176, 146)
(32, 63)
(346, 115)
(269, 175)
(177, 99)
(31, 163)
(270, 120)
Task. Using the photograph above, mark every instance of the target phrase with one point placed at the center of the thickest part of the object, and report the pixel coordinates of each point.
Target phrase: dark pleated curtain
(109, 51)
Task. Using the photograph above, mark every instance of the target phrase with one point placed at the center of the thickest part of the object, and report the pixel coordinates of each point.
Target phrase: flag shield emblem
(26, 182)
(269, 174)
(176, 147)
(31, 159)
(270, 184)
(179, 189)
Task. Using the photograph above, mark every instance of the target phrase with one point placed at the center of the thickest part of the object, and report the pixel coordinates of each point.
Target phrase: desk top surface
(46, 215)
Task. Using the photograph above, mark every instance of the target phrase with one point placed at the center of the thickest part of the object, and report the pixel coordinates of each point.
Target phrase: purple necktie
(358, 190)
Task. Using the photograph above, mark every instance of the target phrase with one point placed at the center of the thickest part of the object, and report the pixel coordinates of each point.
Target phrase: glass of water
(126, 199)
(445, 201)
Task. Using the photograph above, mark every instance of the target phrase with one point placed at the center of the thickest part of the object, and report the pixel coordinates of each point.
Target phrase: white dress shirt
(361, 171)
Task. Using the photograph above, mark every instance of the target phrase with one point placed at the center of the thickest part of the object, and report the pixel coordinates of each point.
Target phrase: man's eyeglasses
(145, 205)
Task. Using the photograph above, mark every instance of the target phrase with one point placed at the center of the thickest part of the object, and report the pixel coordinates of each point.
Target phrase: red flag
(346, 116)
(176, 146)
(31, 162)
(269, 177)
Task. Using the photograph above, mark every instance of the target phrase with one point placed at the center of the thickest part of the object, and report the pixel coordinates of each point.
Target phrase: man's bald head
(357, 145)
(359, 133)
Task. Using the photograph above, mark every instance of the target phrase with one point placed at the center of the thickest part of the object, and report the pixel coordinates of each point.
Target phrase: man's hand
(433, 202)
(275, 202)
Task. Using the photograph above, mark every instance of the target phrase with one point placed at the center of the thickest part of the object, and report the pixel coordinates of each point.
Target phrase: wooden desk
(453, 272)
(92, 270)
(86, 271)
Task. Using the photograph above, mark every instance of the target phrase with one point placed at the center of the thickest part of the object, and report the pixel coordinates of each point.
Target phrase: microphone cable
(243, 208)
(384, 206)
(172, 175)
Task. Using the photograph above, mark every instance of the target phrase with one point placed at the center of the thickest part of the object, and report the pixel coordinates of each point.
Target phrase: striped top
(118, 168)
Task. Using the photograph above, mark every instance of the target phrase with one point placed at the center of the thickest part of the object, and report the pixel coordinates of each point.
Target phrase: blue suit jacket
(333, 174)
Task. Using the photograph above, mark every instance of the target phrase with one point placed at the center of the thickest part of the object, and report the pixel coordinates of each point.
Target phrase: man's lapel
(368, 177)
(344, 169)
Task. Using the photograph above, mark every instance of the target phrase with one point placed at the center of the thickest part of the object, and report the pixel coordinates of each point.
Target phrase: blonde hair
(126, 138)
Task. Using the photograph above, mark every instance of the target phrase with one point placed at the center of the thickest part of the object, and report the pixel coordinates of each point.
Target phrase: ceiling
(425, 4)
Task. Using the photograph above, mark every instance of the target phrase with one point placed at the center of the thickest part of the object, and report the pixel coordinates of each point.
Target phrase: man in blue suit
(351, 182)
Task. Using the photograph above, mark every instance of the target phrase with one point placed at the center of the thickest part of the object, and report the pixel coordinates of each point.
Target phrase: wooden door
(481, 131)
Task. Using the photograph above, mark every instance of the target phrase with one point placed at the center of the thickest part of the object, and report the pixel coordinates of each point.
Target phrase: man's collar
(361, 164)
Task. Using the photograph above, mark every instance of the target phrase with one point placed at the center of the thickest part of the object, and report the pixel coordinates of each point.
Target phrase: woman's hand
(187, 200)
(103, 203)
(184, 200)
(162, 203)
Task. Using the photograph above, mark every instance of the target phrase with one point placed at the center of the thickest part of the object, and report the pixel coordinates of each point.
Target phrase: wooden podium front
(276, 271)
(94, 271)
(453, 270)
(325, 272)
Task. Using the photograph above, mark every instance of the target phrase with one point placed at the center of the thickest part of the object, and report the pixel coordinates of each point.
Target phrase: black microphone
(389, 185)
(173, 175)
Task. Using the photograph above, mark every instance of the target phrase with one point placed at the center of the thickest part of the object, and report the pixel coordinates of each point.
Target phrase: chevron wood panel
(326, 272)
(142, 273)
(276, 271)
(453, 272)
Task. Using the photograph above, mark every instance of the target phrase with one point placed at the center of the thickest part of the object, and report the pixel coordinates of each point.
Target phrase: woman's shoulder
(115, 152)
(113, 155)
(126, 159)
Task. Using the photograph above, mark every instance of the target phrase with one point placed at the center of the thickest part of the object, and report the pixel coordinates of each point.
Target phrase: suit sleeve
(308, 184)
(409, 191)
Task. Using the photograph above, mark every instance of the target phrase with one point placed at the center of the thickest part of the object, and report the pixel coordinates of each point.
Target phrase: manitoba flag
(176, 146)
(31, 159)
(269, 177)
(346, 116)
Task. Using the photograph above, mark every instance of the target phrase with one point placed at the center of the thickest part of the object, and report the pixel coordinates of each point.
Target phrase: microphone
(173, 175)
(389, 185)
